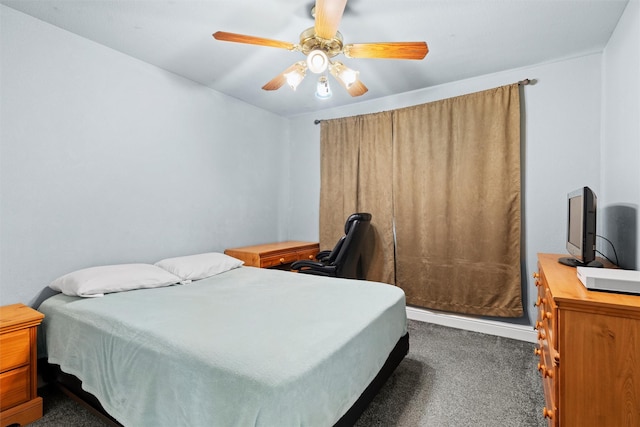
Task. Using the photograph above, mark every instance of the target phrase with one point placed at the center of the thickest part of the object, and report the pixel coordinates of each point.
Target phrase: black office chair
(344, 259)
(329, 256)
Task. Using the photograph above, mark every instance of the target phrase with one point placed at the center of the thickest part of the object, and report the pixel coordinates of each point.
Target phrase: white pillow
(97, 281)
(196, 267)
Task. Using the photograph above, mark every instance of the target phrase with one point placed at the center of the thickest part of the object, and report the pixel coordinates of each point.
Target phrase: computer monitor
(581, 229)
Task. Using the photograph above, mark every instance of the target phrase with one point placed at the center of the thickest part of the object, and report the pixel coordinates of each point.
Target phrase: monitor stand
(573, 262)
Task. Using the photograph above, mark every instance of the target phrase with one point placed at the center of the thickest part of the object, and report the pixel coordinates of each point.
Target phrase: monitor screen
(574, 226)
(581, 229)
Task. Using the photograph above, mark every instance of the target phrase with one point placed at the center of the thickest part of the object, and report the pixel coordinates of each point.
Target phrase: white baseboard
(491, 327)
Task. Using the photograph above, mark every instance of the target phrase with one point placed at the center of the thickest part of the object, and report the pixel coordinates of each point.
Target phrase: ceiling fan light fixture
(323, 41)
(323, 91)
(346, 75)
(317, 61)
(295, 77)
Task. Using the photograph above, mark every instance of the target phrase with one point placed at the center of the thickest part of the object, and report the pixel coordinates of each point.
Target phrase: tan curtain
(457, 203)
(446, 175)
(355, 165)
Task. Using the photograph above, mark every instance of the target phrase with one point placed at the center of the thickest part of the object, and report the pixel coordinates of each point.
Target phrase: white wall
(561, 149)
(106, 159)
(620, 201)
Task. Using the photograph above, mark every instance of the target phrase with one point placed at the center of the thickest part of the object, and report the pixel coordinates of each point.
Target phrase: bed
(245, 347)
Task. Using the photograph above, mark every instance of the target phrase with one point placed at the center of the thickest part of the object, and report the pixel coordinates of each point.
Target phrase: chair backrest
(331, 259)
(353, 217)
(347, 260)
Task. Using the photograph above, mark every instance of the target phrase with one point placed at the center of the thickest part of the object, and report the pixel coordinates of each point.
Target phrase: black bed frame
(395, 357)
(72, 386)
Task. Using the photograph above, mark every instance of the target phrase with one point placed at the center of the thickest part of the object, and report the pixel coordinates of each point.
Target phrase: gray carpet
(458, 378)
(450, 377)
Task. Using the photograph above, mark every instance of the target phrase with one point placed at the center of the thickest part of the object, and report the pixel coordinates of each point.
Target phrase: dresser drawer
(550, 410)
(15, 349)
(14, 386)
(546, 325)
(548, 314)
(546, 365)
(549, 372)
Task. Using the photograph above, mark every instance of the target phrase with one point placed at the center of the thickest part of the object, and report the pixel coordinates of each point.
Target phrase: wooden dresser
(19, 401)
(589, 350)
(275, 255)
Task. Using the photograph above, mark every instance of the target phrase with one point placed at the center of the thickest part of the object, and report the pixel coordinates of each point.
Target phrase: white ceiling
(466, 38)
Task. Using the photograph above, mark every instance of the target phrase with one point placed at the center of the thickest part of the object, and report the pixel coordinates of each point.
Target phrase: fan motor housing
(310, 41)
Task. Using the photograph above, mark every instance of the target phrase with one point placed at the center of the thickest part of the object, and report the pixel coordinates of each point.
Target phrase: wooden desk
(275, 255)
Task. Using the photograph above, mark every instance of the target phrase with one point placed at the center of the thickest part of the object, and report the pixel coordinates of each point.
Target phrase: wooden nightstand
(19, 401)
(275, 255)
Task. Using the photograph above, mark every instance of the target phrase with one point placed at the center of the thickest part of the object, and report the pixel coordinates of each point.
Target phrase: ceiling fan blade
(242, 38)
(357, 88)
(328, 16)
(390, 50)
(278, 81)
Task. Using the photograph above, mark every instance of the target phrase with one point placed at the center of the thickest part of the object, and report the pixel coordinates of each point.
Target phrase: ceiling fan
(322, 42)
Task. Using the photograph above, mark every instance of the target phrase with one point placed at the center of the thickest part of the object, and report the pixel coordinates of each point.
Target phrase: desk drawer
(288, 258)
(14, 387)
(308, 255)
(274, 255)
(15, 349)
(275, 260)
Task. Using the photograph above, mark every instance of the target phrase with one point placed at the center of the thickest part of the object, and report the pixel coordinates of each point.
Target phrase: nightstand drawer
(14, 387)
(15, 349)
(19, 401)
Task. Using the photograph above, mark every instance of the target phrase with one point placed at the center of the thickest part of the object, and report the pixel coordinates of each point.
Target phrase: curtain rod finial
(316, 122)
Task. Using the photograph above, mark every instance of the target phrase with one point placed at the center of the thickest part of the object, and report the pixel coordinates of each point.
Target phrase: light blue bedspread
(249, 347)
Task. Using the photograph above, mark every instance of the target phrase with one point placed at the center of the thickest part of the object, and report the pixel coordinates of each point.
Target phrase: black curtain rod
(521, 83)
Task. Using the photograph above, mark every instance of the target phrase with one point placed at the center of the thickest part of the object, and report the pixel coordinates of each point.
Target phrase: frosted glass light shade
(294, 78)
(323, 91)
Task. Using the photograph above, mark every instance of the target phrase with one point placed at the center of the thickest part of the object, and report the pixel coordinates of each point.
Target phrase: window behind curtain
(446, 175)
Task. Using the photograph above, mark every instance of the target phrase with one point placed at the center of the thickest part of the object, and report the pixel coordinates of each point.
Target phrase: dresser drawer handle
(546, 315)
(540, 301)
(546, 413)
(281, 260)
(546, 373)
(311, 257)
(537, 351)
(539, 325)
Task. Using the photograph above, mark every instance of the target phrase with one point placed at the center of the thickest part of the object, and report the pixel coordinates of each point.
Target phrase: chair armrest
(313, 267)
(323, 255)
(297, 265)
